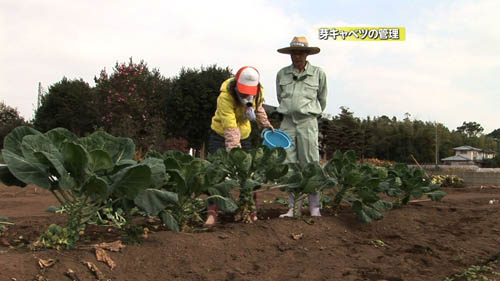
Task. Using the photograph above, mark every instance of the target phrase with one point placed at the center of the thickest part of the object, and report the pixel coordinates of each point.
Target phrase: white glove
(250, 113)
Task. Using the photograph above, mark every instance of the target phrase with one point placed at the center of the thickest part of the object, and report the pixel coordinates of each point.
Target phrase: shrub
(10, 119)
(448, 180)
(131, 103)
(376, 162)
(492, 163)
(66, 100)
(192, 103)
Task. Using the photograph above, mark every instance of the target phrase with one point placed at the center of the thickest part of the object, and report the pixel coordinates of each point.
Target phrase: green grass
(477, 273)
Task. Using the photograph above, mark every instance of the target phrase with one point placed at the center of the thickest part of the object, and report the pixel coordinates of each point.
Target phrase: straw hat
(299, 43)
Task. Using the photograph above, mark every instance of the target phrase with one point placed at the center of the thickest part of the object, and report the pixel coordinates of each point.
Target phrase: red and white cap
(247, 80)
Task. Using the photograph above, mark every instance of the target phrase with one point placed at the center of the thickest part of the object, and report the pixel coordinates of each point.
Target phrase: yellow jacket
(230, 114)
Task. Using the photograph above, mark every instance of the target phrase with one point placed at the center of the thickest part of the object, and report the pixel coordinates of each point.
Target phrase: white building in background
(466, 155)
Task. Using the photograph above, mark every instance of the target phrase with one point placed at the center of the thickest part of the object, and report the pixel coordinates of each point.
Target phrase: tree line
(175, 113)
(398, 140)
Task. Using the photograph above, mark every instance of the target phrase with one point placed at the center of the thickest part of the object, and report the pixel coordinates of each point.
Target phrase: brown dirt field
(422, 241)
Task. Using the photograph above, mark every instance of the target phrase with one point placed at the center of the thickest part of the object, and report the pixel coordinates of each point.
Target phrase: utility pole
(437, 146)
(40, 94)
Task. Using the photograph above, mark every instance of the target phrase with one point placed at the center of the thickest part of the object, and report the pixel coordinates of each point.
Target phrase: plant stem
(271, 187)
(70, 196)
(81, 208)
(58, 198)
(339, 196)
(63, 193)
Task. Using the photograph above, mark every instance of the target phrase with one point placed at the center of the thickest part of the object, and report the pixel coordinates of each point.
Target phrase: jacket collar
(293, 70)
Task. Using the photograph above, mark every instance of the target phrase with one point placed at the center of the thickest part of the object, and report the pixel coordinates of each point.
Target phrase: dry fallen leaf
(145, 234)
(102, 255)
(35, 245)
(93, 268)
(46, 263)
(72, 275)
(40, 278)
(223, 236)
(297, 236)
(113, 246)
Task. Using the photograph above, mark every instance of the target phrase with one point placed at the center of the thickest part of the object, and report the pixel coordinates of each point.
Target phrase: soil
(423, 241)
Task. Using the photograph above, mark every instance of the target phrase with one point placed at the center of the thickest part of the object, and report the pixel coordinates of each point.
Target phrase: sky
(443, 72)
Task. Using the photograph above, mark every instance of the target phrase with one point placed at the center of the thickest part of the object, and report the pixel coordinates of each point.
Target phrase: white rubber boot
(289, 214)
(314, 204)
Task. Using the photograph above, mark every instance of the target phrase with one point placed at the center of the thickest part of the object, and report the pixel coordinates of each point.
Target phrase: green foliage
(358, 185)
(343, 133)
(8, 179)
(131, 102)
(58, 237)
(160, 203)
(396, 140)
(177, 200)
(86, 175)
(473, 273)
(302, 180)
(405, 182)
(250, 170)
(192, 103)
(95, 178)
(495, 133)
(471, 129)
(10, 119)
(69, 104)
(111, 217)
(492, 163)
(361, 185)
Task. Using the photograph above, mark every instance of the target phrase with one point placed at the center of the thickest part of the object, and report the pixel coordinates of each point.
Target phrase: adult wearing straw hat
(301, 89)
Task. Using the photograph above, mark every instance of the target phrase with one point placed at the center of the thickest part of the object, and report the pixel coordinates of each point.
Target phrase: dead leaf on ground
(40, 278)
(72, 275)
(102, 255)
(113, 246)
(35, 245)
(297, 236)
(94, 269)
(145, 235)
(46, 263)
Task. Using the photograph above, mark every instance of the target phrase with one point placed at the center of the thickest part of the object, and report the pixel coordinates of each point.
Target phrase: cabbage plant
(406, 182)
(361, 186)
(358, 185)
(250, 170)
(192, 184)
(302, 180)
(85, 175)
